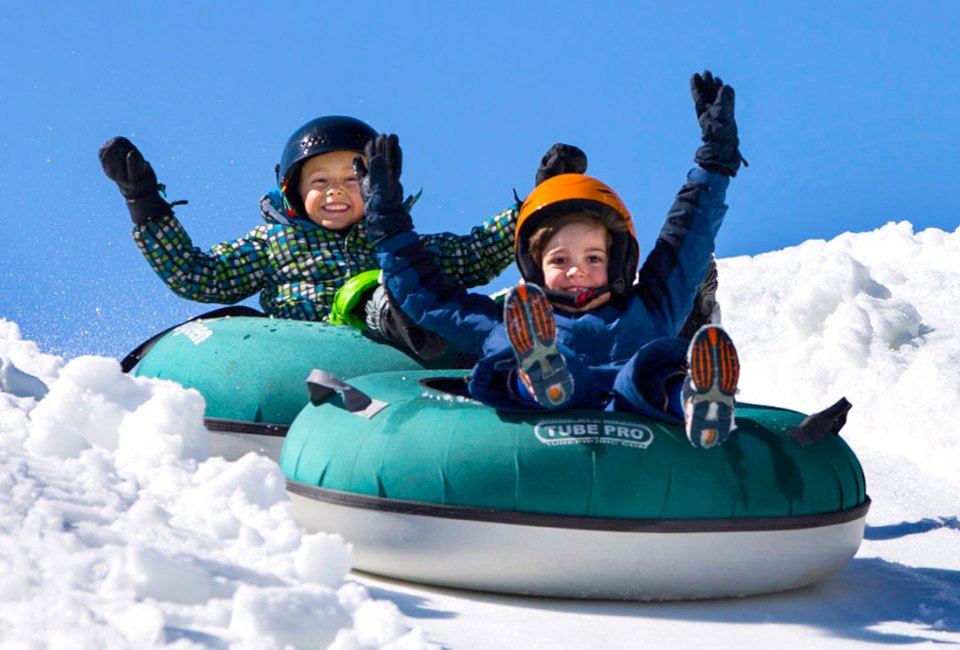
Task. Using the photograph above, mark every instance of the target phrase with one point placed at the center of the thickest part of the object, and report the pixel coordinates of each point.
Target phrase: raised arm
(679, 262)
(228, 273)
(411, 272)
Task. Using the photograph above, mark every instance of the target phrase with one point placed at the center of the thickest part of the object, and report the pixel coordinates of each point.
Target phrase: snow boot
(385, 319)
(532, 331)
(710, 386)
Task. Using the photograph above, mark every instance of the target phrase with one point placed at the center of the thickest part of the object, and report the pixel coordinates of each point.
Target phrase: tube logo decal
(196, 331)
(579, 432)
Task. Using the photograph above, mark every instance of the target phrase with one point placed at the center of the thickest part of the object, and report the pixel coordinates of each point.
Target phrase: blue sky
(849, 114)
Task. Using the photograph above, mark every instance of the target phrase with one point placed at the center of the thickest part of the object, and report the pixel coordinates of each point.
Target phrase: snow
(119, 530)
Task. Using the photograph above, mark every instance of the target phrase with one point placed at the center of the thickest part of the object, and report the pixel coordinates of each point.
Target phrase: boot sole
(714, 365)
(532, 332)
(715, 372)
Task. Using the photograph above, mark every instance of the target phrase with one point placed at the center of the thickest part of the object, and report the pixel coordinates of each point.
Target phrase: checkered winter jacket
(298, 266)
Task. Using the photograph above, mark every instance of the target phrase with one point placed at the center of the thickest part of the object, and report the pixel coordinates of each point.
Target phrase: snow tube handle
(814, 427)
(321, 385)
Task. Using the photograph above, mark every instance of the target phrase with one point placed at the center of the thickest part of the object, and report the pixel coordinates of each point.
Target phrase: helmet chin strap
(576, 300)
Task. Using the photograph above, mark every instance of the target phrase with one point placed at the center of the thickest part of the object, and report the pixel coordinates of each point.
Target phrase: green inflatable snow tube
(432, 445)
(252, 369)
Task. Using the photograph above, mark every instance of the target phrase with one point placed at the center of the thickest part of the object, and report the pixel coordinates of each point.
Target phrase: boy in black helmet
(597, 335)
(311, 260)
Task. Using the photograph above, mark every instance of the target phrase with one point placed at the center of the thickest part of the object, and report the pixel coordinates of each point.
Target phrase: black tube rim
(491, 515)
(226, 425)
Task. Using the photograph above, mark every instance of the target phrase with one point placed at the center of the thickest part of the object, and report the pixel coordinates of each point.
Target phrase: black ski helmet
(321, 135)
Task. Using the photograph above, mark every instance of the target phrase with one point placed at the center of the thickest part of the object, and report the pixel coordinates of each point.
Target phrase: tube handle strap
(814, 427)
(321, 385)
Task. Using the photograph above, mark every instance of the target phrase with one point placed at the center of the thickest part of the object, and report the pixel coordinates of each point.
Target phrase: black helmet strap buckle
(577, 300)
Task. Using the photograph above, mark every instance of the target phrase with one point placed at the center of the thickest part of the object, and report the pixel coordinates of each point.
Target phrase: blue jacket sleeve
(677, 265)
(428, 296)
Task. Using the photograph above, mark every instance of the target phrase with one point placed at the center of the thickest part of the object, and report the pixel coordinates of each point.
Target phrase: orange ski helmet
(567, 193)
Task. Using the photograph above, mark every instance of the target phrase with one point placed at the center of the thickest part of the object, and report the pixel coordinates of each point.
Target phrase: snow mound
(119, 530)
(859, 316)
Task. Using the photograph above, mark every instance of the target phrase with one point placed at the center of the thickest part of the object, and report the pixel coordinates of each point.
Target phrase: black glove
(381, 189)
(561, 159)
(124, 165)
(714, 104)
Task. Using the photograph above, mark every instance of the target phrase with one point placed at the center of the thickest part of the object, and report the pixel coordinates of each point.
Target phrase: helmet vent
(317, 141)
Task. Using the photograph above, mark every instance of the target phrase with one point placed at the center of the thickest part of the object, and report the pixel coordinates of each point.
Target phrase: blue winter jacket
(603, 339)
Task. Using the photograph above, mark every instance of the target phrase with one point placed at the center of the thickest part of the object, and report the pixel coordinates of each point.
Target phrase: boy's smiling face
(331, 191)
(575, 260)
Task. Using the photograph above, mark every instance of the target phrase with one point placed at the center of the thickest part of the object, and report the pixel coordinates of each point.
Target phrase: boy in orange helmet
(592, 336)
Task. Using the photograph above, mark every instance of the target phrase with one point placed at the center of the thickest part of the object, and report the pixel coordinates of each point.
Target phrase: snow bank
(119, 531)
(869, 316)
